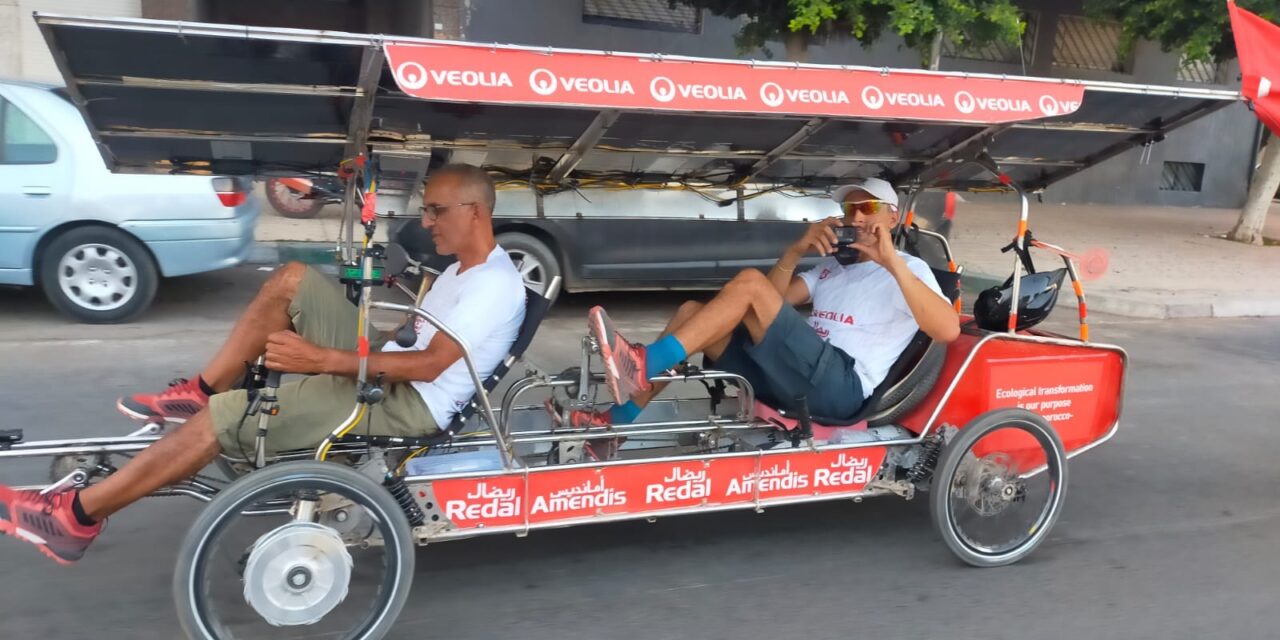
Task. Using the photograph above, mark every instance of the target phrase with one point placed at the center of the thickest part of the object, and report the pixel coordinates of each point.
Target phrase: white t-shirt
(485, 306)
(860, 310)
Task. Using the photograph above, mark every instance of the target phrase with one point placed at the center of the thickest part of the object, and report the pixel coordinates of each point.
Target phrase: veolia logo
(412, 76)
(872, 96)
(542, 82)
(662, 89)
(771, 94)
(1049, 105)
(965, 102)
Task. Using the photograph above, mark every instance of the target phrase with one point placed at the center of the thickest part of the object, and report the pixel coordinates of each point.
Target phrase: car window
(22, 141)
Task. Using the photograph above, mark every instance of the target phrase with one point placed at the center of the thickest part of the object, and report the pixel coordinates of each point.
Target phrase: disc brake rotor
(989, 485)
(297, 573)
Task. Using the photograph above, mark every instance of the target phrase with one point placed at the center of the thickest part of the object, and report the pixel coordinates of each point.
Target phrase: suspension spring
(395, 484)
(929, 452)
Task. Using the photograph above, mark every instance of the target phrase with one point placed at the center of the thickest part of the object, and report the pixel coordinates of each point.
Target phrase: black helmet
(1037, 293)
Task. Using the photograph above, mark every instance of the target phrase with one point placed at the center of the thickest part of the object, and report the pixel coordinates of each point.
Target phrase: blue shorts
(793, 361)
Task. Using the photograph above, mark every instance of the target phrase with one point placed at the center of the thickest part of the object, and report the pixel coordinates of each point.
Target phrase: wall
(10, 63)
(1121, 180)
(23, 52)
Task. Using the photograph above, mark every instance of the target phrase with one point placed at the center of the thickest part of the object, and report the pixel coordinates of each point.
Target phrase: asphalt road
(1169, 531)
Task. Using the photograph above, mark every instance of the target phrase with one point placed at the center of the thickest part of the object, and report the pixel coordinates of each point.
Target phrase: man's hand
(819, 237)
(288, 352)
(877, 244)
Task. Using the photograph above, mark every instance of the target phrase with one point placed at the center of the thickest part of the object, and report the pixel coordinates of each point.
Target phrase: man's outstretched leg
(267, 313)
(63, 524)
(749, 300)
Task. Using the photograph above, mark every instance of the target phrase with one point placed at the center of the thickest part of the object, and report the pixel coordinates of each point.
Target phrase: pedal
(152, 427)
(77, 478)
(10, 437)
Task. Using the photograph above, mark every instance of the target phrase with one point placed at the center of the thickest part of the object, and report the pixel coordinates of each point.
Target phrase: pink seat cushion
(820, 431)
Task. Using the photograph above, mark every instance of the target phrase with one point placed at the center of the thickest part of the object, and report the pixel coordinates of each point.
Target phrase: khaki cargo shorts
(312, 407)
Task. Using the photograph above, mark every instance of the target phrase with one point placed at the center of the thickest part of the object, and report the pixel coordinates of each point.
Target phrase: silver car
(97, 243)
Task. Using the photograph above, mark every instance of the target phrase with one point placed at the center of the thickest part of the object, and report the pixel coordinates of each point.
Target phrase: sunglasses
(866, 207)
(433, 211)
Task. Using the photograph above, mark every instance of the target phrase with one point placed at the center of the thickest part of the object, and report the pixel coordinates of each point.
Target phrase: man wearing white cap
(865, 311)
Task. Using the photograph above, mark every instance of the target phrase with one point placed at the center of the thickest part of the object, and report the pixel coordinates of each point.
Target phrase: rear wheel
(250, 569)
(290, 203)
(535, 261)
(998, 487)
(98, 275)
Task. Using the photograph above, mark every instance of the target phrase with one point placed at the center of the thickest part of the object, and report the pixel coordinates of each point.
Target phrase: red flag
(1258, 46)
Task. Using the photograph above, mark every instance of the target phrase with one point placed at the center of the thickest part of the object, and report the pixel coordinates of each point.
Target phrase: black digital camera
(845, 236)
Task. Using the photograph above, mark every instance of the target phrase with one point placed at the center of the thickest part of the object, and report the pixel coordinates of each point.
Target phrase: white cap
(879, 189)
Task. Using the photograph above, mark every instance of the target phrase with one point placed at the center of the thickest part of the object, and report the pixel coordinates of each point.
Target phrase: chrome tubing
(70, 447)
(485, 408)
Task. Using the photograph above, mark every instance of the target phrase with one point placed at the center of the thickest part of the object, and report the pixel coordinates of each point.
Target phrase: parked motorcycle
(298, 197)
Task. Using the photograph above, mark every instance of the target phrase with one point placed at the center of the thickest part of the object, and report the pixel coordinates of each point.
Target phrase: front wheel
(250, 569)
(998, 487)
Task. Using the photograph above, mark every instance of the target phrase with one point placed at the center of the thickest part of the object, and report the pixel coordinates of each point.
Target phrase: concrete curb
(280, 252)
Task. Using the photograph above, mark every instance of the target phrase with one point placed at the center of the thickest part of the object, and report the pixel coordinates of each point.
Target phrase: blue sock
(662, 355)
(624, 413)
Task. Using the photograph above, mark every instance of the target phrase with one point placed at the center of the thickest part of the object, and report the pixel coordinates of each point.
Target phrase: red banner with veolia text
(508, 75)
(1258, 47)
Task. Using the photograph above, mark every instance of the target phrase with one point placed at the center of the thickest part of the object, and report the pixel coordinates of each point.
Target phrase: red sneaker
(599, 448)
(577, 418)
(624, 362)
(179, 402)
(47, 522)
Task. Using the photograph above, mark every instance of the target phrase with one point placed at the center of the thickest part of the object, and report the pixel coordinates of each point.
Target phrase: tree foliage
(1199, 28)
(965, 22)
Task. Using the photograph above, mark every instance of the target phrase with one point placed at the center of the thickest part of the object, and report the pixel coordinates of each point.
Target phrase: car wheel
(533, 259)
(98, 275)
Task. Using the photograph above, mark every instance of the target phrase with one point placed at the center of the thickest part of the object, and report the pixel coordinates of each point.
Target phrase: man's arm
(291, 353)
(933, 313)
(818, 237)
(402, 366)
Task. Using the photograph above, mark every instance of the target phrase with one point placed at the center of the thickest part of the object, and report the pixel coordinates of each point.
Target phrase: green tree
(1202, 31)
(922, 24)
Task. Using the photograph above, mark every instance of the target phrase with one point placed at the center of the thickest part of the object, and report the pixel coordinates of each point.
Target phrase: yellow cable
(324, 451)
(360, 326)
(400, 467)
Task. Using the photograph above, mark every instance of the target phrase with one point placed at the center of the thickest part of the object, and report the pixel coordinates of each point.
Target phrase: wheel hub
(297, 573)
(991, 487)
(97, 276)
(531, 269)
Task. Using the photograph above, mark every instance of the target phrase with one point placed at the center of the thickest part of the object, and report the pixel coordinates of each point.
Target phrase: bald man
(304, 324)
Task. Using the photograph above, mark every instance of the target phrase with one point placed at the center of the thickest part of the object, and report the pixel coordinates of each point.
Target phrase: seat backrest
(535, 309)
(907, 382)
(948, 282)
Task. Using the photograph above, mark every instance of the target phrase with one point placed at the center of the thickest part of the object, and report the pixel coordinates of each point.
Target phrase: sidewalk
(1165, 262)
(313, 240)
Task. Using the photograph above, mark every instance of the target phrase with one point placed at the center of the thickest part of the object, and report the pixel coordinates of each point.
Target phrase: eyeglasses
(867, 207)
(432, 211)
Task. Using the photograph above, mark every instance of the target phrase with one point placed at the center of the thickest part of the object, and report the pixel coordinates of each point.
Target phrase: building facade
(1207, 163)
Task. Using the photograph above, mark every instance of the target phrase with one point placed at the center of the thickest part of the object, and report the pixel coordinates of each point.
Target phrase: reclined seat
(908, 381)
